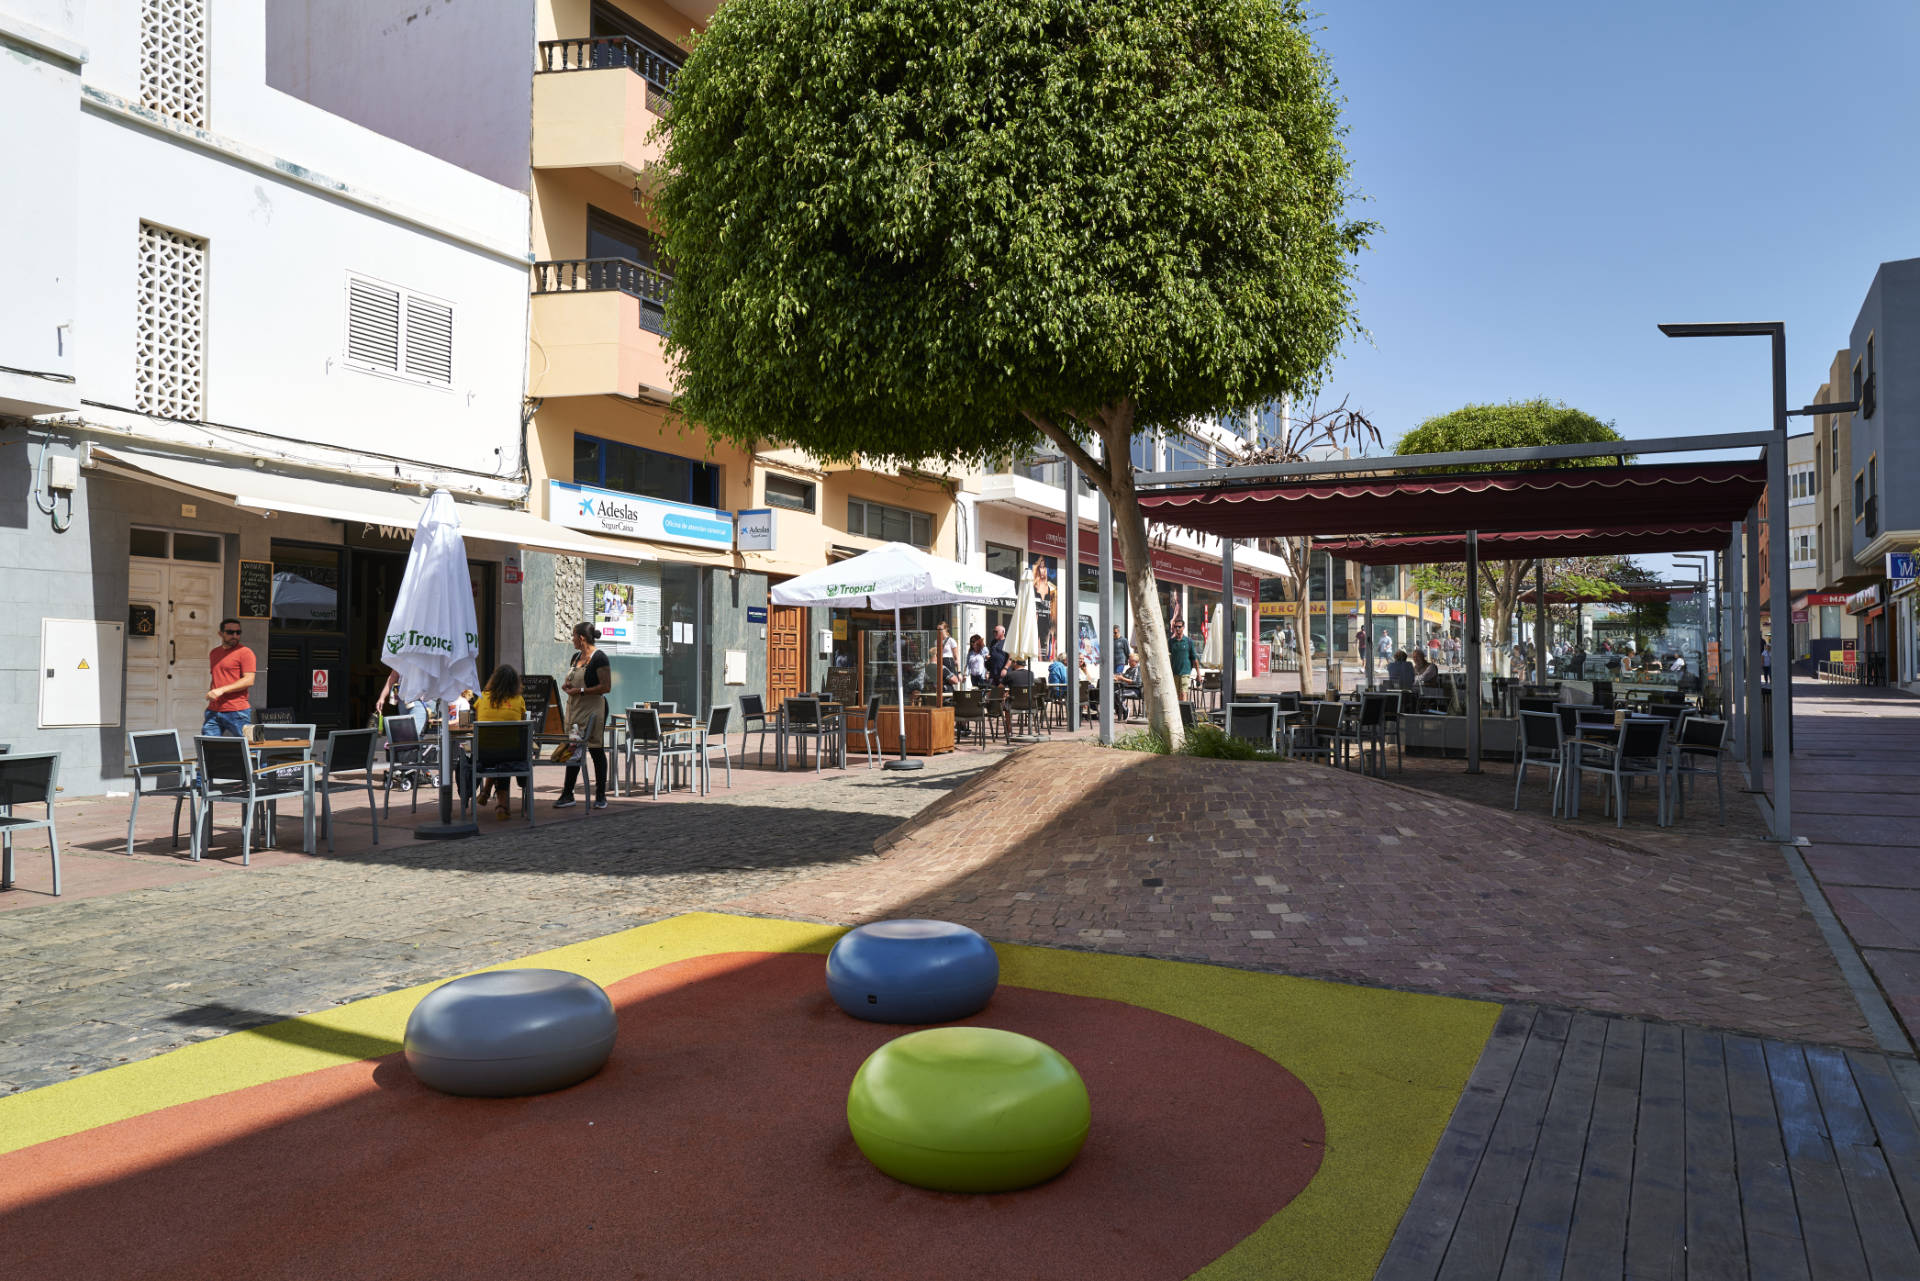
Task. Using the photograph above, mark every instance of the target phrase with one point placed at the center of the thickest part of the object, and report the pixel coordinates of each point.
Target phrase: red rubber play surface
(714, 1144)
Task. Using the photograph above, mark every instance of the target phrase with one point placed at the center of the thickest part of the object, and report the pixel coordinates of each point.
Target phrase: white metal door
(193, 625)
(147, 650)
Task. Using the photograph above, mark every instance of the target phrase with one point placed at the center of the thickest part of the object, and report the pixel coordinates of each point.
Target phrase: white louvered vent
(170, 329)
(373, 325)
(429, 340)
(395, 331)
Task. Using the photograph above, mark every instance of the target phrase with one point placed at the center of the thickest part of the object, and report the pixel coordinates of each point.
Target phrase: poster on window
(613, 612)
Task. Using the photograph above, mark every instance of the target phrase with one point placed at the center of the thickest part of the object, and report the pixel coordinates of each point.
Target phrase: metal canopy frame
(1772, 446)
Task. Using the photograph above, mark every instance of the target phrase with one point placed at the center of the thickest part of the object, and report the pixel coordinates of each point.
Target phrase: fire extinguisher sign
(319, 689)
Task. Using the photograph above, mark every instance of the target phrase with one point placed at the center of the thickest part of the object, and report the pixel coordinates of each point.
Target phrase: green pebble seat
(968, 1109)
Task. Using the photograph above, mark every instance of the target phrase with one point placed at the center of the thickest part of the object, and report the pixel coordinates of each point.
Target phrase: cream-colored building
(695, 530)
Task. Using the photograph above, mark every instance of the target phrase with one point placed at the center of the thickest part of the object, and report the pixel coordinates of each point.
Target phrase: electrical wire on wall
(46, 502)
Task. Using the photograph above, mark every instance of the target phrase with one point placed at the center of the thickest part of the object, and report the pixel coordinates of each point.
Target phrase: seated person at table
(1400, 672)
(1126, 683)
(1057, 673)
(1425, 674)
(501, 701)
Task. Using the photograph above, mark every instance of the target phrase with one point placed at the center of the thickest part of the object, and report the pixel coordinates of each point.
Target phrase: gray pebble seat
(510, 1032)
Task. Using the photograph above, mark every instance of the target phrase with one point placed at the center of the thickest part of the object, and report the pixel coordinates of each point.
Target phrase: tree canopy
(1516, 424)
(899, 228)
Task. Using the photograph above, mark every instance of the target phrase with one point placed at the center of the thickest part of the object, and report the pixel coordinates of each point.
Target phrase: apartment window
(666, 57)
(1145, 451)
(1859, 494)
(1187, 454)
(614, 464)
(785, 491)
(1803, 485)
(1858, 379)
(1806, 548)
(889, 524)
(173, 59)
(395, 331)
(170, 332)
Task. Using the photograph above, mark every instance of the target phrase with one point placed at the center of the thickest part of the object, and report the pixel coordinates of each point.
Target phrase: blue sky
(1553, 178)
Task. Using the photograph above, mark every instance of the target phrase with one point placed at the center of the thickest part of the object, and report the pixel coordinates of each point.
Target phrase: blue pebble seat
(510, 1032)
(912, 972)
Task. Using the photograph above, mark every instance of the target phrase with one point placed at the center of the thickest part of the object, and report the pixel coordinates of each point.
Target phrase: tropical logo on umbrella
(410, 639)
(852, 589)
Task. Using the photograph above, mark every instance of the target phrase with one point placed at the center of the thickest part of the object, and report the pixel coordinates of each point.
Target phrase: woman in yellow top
(501, 701)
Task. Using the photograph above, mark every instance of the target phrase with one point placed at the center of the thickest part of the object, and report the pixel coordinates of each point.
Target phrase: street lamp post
(1776, 333)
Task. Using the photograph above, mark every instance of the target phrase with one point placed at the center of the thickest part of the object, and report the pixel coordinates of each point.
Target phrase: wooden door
(786, 636)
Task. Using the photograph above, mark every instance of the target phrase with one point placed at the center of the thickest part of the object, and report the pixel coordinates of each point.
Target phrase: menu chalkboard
(256, 589)
(843, 683)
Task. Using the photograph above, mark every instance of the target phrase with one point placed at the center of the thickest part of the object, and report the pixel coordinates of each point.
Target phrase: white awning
(259, 490)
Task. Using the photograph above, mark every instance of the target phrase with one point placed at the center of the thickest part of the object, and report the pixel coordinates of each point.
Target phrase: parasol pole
(900, 678)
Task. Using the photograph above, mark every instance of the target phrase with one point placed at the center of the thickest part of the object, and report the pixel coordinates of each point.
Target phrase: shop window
(306, 587)
(785, 491)
(889, 524)
(613, 464)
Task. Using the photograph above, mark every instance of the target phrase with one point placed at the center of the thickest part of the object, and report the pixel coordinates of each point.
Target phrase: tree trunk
(1143, 593)
(1113, 476)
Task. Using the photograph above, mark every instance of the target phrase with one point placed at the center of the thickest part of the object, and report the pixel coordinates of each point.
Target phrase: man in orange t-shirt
(230, 675)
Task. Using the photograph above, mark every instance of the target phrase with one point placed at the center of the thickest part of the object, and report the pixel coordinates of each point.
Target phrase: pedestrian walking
(230, 673)
(1185, 657)
(588, 681)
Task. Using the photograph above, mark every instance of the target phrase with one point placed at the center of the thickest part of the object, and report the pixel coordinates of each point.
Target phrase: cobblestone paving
(107, 980)
(1317, 871)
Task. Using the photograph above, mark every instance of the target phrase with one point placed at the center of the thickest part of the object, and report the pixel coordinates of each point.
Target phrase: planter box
(1448, 734)
(929, 729)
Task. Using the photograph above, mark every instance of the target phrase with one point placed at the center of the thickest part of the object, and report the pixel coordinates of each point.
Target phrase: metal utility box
(80, 672)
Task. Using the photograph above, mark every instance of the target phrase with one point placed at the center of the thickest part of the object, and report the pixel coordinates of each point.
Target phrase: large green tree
(1516, 424)
(962, 229)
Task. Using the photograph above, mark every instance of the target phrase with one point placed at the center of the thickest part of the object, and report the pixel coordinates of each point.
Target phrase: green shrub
(1206, 741)
(1141, 741)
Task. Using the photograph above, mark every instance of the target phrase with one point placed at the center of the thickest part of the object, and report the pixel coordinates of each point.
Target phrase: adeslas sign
(602, 511)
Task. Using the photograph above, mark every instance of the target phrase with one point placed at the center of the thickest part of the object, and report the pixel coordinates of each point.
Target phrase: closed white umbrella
(1210, 655)
(1023, 637)
(893, 576)
(433, 639)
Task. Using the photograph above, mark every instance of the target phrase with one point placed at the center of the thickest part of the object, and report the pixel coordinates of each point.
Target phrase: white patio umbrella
(1023, 637)
(1210, 655)
(433, 639)
(893, 576)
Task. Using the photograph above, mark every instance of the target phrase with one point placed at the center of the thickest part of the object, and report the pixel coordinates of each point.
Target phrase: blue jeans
(226, 724)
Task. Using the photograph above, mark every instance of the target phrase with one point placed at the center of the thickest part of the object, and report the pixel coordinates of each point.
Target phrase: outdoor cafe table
(260, 754)
(832, 715)
(1596, 733)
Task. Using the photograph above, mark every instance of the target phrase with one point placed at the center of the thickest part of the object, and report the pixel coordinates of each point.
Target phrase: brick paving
(1310, 870)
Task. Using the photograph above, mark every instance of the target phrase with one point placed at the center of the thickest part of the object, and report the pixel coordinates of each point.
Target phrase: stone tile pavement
(97, 981)
(1310, 870)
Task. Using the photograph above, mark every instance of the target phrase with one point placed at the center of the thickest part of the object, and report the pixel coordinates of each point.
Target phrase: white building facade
(247, 337)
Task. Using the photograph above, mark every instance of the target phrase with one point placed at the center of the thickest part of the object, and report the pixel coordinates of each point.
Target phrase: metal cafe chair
(1541, 743)
(1701, 739)
(503, 751)
(410, 759)
(347, 751)
(970, 713)
(156, 758)
(227, 774)
(1257, 723)
(713, 738)
(28, 780)
(753, 718)
(801, 721)
(1640, 751)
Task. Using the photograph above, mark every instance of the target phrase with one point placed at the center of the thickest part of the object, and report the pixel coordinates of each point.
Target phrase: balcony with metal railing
(597, 328)
(596, 101)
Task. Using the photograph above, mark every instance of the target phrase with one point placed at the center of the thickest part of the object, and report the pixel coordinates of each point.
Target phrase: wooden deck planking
(1419, 1244)
(1597, 1243)
(1775, 1251)
(1537, 1247)
(1591, 1146)
(1656, 1215)
(1885, 1235)
(1486, 1220)
(1716, 1240)
(1826, 1217)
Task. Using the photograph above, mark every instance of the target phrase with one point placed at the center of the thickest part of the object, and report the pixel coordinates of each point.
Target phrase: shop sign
(756, 613)
(1824, 598)
(1799, 615)
(1863, 600)
(602, 511)
(1049, 538)
(1899, 570)
(754, 530)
